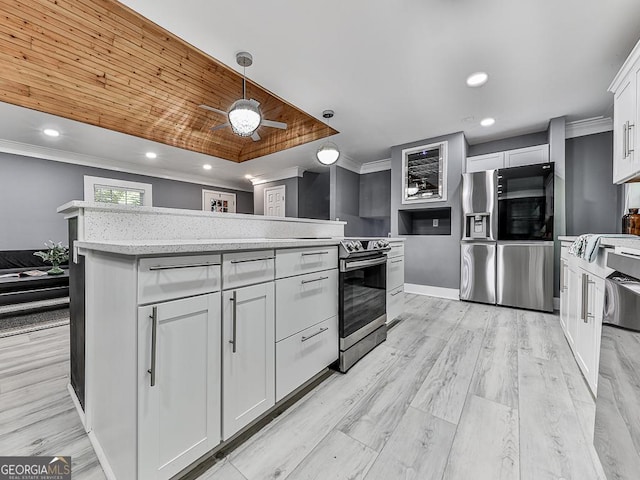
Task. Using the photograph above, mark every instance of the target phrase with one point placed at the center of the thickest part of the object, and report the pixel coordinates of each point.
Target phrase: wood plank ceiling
(101, 63)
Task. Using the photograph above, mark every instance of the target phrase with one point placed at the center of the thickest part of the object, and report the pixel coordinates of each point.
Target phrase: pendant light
(244, 115)
(328, 153)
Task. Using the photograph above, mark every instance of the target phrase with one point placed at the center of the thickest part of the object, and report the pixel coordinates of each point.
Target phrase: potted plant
(55, 255)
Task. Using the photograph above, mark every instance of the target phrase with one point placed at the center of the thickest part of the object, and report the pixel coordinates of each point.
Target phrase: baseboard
(102, 458)
(76, 403)
(441, 292)
(556, 303)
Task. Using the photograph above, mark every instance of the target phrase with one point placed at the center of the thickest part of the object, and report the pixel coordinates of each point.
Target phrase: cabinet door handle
(625, 139)
(630, 138)
(394, 294)
(234, 322)
(585, 294)
(306, 254)
(323, 329)
(252, 260)
(562, 276)
(313, 280)
(397, 261)
(154, 343)
(191, 265)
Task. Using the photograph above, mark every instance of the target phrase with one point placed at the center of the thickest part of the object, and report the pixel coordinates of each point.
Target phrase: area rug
(32, 321)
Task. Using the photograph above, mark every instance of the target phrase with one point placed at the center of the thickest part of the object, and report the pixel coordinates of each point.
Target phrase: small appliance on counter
(507, 244)
(362, 292)
(631, 222)
(617, 424)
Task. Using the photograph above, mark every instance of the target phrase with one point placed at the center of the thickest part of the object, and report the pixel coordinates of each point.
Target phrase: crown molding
(46, 153)
(279, 175)
(376, 166)
(348, 164)
(588, 126)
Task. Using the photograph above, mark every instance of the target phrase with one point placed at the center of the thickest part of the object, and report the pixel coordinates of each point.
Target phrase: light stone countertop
(165, 247)
(609, 242)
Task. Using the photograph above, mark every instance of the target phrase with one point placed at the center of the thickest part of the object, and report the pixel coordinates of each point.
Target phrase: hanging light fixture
(328, 153)
(244, 115)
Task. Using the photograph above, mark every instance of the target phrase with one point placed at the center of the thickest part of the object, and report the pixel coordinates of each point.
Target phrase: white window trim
(91, 182)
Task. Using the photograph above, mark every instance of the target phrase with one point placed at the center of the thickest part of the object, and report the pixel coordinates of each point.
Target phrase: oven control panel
(355, 247)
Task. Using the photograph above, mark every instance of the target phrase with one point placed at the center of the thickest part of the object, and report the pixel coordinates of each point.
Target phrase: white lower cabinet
(304, 354)
(178, 384)
(248, 355)
(581, 310)
(395, 280)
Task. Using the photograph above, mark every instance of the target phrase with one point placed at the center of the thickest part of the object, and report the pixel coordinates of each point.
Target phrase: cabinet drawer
(296, 261)
(397, 250)
(301, 356)
(395, 272)
(395, 303)
(166, 278)
(247, 268)
(305, 300)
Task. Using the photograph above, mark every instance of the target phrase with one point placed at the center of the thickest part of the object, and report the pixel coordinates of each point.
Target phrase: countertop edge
(199, 247)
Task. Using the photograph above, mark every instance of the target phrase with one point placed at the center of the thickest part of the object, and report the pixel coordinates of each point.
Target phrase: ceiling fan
(244, 115)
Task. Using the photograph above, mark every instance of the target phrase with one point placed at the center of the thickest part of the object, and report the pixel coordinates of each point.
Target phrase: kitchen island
(195, 325)
(582, 289)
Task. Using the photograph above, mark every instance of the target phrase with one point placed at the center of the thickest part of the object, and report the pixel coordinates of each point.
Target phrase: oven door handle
(355, 264)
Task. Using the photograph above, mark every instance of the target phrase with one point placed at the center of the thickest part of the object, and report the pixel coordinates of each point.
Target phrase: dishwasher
(617, 426)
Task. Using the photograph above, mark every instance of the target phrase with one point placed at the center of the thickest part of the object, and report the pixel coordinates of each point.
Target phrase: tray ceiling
(101, 63)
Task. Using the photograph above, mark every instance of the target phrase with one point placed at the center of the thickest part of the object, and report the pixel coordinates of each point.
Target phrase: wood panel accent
(101, 63)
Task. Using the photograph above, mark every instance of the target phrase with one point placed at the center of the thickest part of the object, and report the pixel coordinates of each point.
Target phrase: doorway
(213, 201)
(274, 205)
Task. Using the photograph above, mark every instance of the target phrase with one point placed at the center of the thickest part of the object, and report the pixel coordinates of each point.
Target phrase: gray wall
(375, 194)
(432, 260)
(313, 195)
(32, 189)
(591, 197)
(521, 141)
(290, 196)
(345, 200)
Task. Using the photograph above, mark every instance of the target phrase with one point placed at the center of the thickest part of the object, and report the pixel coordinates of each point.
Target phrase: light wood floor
(458, 391)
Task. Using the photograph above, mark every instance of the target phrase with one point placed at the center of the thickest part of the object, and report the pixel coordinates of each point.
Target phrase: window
(109, 190)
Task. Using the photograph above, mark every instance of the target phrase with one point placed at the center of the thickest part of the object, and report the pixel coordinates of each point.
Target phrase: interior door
(248, 346)
(179, 403)
(274, 201)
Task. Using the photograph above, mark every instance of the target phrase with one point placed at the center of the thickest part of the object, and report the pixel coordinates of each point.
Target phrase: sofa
(23, 289)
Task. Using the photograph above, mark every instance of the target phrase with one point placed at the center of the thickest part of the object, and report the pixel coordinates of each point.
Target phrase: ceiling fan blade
(218, 127)
(211, 109)
(272, 124)
(255, 137)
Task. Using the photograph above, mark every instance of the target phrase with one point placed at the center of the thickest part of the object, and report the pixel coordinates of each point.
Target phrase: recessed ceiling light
(248, 177)
(487, 122)
(151, 155)
(477, 79)
(50, 132)
(206, 166)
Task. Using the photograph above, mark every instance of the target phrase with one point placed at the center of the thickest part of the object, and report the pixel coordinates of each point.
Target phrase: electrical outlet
(435, 222)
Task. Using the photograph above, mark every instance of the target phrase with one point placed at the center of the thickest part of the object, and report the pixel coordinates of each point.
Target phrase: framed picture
(213, 201)
(424, 173)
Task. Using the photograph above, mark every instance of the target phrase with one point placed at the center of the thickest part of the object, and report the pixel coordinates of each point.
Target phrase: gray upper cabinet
(510, 158)
(375, 194)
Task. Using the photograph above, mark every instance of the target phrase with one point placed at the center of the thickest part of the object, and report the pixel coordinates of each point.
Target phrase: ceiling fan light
(244, 118)
(328, 153)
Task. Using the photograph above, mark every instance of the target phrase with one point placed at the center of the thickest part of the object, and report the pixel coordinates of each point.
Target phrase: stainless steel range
(362, 298)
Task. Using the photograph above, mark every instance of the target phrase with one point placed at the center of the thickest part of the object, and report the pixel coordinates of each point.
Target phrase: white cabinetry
(248, 373)
(510, 158)
(306, 315)
(395, 280)
(626, 119)
(581, 309)
(178, 384)
(248, 338)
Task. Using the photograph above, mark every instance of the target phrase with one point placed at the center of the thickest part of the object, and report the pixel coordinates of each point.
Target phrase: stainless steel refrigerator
(507, 245)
